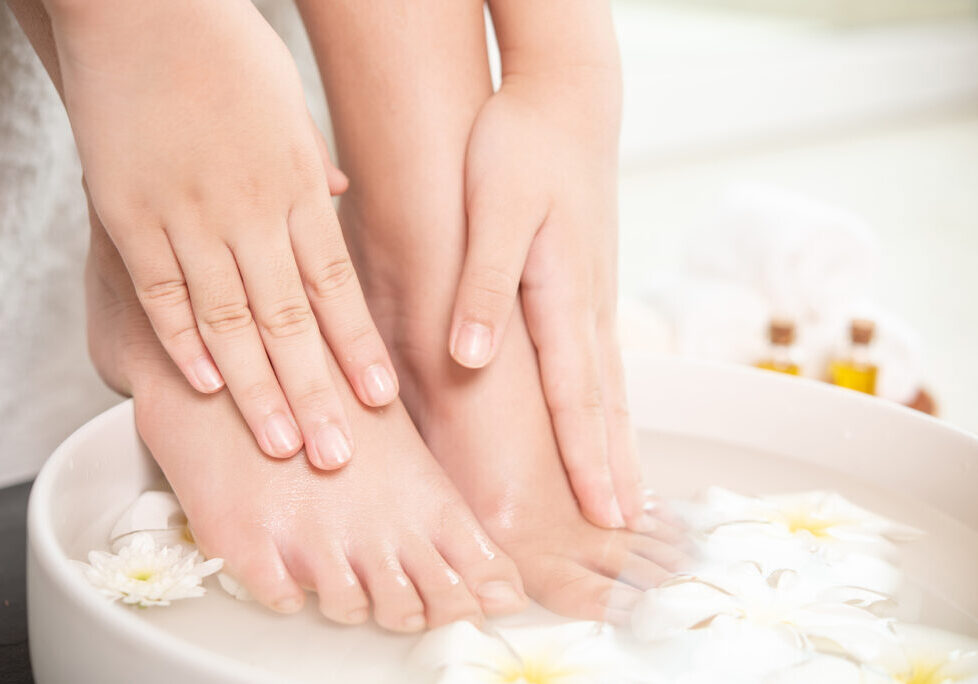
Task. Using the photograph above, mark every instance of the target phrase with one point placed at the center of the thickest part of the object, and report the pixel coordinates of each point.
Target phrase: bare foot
(390, 526)
(491, 430)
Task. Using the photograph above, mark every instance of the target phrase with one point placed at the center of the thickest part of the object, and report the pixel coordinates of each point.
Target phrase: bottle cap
(862, 330)
(781, 331)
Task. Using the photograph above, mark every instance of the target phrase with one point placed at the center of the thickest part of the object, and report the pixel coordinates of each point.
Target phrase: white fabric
(47, 384)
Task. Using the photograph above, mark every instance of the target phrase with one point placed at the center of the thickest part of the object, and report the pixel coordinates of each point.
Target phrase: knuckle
(319, 396)
(261, 392)
(288, 318)
(331, 279)
(491, 286)
(181, 336)
(227, 318)
(166, 293)
(585, 402)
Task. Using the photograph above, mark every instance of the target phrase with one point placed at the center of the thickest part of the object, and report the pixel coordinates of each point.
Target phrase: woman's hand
(205, 168)
(541, 198)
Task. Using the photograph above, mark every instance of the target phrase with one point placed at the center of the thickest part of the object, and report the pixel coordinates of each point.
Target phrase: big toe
(487, 571)
(567, 587)
(446, 596)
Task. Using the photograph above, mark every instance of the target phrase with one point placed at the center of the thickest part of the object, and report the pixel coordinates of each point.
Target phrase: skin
(224, 222)
(541, 201)
(489, 428)
(389, 534)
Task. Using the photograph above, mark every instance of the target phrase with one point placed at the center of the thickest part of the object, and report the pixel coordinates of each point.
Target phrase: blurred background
(809, 159)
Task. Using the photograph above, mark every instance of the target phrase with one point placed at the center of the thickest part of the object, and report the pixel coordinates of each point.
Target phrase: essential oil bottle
(855, 369)
(781, 353)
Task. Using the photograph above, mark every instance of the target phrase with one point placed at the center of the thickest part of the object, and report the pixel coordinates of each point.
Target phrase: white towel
(768, 252)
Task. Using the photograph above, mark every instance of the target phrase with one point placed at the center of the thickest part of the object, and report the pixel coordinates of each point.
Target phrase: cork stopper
(781, 331)
(861, 331)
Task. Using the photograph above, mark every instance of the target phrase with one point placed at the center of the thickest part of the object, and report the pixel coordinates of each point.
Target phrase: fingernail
(282, 434)
(615, 517)
(358, 616)
(332, 447)
(472, 345)
(500, 594)
(208, 377)
(414, 622)
(379, 384)
(288, 605)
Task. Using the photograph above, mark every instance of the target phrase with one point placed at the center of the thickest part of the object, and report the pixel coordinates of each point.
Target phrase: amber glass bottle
(780, 356)
(855, 369)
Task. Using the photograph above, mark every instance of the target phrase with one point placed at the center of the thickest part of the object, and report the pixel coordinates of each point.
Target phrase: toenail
(379, 385)
(472, 345)
(288, 605)
(414, 622)
(499, 593)
(283, 436)
(358, 616)
(332, 447)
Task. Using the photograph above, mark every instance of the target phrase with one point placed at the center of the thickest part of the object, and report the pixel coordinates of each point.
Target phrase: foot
(389, 531)
(491, 431)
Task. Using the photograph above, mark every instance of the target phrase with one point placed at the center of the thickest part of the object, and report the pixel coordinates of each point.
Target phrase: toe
(666, 555)
(488, 572)
(642, 573)
(397, 605)
(263, 572)
(446, 597)
(568, 588)
(341, 598)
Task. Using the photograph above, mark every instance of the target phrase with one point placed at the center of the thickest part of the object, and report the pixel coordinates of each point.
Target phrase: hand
(205, 169)
(541, 199)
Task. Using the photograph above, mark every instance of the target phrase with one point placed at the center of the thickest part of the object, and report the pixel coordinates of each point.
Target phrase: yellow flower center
(924, 673)
(804, 522)
(142, 575)
(535, 673)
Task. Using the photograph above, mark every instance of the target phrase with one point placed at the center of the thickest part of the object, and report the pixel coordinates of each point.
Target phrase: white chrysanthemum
(823, 521)
(147, 574)
(812, 617)
(571, 653)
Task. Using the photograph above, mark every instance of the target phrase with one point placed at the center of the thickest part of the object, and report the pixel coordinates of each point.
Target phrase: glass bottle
(781, 355)
(856, 370)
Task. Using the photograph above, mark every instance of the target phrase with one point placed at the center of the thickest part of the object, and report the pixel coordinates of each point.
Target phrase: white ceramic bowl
(699, 424)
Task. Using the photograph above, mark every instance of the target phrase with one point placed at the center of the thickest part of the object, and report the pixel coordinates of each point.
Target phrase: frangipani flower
(930, 656)
(570, 653)
(833, 620)
(824, 521)
(147, 574)
(155, 513)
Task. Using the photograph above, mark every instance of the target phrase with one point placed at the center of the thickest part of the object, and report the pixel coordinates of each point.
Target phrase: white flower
(570, 653)
(811, 617)
(147, 574)
(823, 521)
(155, 513)
(929, 656)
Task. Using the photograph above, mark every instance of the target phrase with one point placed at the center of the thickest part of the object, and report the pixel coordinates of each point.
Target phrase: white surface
(702, 424)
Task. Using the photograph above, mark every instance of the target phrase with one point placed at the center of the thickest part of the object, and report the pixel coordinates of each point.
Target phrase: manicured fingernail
(282, 434)
(208, 377)
(358, 616)
(332, 447)
(288, 605)
(414, 622)
(500, 594)
(472, 345)
(615, 517)
(379, 384)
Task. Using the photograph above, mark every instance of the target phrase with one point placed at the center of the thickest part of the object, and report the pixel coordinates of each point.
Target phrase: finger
(572, 387)
(162, 292)
(295, 347)
(228, 329)
(499, 238)
(623, 459)
(335, 179)
(334, 292)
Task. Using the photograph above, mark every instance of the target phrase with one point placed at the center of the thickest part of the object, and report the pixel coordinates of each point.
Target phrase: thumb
(335, 179)
(498, 242)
